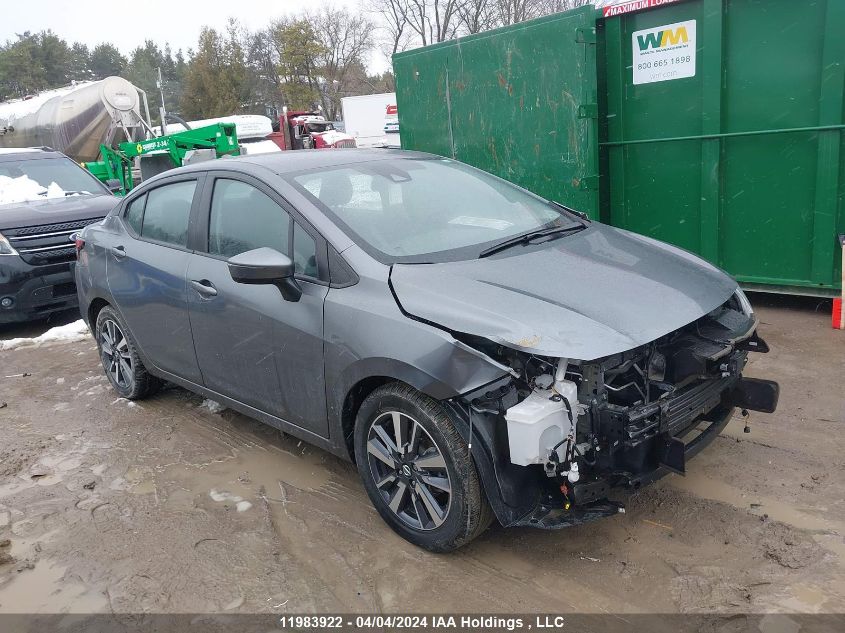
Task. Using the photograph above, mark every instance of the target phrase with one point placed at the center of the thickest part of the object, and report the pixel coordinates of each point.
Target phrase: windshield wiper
(579, 214)
(531, 236)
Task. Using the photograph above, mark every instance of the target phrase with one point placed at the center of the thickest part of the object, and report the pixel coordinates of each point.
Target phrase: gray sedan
(479, 352)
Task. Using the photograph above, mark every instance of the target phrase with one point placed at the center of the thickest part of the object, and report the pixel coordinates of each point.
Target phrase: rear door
(146, 274)
(251, 344)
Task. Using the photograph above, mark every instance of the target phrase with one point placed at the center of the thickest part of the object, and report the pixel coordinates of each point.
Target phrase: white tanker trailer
(77, 119)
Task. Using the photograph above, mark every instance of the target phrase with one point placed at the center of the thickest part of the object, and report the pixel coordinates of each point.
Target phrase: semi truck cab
(309, 130)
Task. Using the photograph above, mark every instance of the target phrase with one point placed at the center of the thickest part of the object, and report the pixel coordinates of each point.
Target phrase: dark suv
(45, 200)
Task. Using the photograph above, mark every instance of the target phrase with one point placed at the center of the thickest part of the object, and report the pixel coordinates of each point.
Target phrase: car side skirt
(257, 414)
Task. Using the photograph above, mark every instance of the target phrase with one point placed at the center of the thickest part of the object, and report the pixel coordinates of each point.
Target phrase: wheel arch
(94, 308)
(352, 403)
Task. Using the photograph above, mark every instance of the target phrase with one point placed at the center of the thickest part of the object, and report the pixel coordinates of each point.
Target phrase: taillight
(80, 244)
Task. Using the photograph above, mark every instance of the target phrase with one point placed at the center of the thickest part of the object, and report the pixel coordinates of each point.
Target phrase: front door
(252, 345)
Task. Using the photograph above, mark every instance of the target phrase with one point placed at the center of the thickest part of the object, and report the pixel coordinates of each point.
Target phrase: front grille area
(345, 143)
(48, 243)
(53, 256)
(676, 413)
(50, 228)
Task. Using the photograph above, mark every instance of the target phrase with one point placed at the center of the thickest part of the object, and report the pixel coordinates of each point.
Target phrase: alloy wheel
(409, 470)
(114, 351)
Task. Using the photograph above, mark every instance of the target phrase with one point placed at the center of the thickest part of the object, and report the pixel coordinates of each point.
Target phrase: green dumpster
(715, 125)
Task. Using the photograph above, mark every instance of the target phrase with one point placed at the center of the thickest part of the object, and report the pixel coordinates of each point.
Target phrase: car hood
(585, 296)
(55, 210)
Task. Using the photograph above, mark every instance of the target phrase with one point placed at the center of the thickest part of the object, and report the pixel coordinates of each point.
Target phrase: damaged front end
(560, 435)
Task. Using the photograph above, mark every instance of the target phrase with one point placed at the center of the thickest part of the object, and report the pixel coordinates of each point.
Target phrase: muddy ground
(168, 506)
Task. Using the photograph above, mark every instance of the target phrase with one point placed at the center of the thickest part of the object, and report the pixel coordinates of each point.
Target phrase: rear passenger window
(244, 218)
(135, 213)
(167, 212)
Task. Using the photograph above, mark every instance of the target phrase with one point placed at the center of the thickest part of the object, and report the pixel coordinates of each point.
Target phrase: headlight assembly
(5, 247)
(744, 303)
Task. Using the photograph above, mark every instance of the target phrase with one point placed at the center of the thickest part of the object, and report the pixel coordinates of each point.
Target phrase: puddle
(715, 490)
(250, 469)
(41, 590)
(805, 598)
(139, 481)
(143, 488)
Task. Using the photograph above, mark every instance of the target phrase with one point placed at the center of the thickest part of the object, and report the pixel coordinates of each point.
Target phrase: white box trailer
(365, 118)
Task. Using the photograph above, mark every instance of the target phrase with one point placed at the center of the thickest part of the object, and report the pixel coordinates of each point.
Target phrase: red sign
(634, 5)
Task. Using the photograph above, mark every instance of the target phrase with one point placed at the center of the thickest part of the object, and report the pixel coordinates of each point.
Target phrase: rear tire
(119, 356)
(417, 470)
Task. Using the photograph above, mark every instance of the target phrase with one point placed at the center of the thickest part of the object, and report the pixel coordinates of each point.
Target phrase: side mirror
(266, 266)
(113, 185)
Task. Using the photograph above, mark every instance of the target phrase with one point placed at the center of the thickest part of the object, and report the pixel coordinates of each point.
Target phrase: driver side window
(244, 218)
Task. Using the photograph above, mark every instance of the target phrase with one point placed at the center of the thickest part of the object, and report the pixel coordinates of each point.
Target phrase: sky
(177, 22)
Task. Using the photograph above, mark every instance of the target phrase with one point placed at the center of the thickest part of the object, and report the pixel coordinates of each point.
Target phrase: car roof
(8, 154)
(298, 160)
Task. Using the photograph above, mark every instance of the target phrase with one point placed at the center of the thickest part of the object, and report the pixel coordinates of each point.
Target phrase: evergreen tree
(105, 61)
(217, 80)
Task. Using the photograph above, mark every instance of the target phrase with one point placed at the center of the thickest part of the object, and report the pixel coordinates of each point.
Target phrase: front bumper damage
(638, 416)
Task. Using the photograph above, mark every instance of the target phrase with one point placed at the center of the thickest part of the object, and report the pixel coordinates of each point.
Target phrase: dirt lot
(168, 506)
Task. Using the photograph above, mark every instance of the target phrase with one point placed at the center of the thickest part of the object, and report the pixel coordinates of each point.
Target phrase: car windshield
(37, 179)
(426, 210)
(319, 127)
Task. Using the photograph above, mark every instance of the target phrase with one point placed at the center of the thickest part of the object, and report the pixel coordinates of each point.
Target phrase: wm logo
(661, 39)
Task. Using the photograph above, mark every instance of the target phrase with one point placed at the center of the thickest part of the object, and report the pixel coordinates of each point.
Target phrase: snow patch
(19, 108)
(241, 505)
(213, 406)
(70, 333)
(24, 188)
(260, 147)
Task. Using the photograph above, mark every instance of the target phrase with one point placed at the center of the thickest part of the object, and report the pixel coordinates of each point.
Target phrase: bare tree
(515, 11)
(264, 57)
(409, 23)
(477, 16)
(345, 38)
(434, 20)
(392, 16)
(556, 6)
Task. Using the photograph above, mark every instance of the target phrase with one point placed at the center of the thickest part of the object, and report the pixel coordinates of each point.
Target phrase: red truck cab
(308, 130)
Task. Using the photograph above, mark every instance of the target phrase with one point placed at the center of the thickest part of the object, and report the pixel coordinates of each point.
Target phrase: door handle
(119, 252)
(204, 287)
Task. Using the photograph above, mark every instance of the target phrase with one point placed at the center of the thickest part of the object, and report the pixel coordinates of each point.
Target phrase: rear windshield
(38, 179)
(426, 210)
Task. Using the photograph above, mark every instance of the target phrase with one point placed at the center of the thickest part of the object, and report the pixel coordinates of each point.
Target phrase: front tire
(120, 359)
(417, 470)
